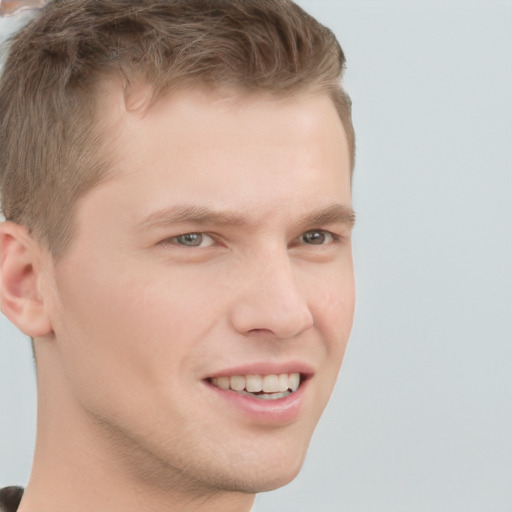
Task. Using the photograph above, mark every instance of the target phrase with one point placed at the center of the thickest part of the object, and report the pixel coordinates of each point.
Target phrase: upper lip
(267, 368)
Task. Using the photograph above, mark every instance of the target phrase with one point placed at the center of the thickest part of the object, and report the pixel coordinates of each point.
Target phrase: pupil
(315, 237)
(191, 239)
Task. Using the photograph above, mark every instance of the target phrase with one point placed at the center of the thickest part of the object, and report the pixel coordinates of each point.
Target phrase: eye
(317, 237)
(192, 240)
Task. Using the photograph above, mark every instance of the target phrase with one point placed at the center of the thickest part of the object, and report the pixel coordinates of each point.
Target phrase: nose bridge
(271, 299)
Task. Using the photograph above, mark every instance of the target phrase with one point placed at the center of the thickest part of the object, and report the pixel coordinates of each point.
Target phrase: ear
(20, 273)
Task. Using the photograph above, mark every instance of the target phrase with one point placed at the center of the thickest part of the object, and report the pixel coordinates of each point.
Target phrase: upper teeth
(256, 383)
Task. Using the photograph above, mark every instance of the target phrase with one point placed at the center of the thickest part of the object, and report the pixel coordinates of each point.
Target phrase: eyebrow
(332, 214)
(203, 215)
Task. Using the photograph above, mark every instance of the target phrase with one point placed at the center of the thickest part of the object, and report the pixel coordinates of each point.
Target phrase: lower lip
(279, 411)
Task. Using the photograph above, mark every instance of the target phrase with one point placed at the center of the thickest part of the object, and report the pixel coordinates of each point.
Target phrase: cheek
(139, 338)
(101, 320)
(335, 322)
(145, 326)
(333, 312)
(334, 303)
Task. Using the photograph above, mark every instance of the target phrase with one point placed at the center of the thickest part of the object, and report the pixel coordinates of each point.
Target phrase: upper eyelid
(333, 233)
(336, 237)
(217, 238)
(168, 239)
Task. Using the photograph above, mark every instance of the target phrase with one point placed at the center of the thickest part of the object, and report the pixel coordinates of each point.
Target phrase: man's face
(217, 256)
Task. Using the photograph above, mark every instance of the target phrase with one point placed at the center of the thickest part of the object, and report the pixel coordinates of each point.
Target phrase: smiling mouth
(264, 387)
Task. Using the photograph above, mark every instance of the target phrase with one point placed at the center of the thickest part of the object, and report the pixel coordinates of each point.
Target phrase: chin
(256, 484)
(261, 474)
(278, 480)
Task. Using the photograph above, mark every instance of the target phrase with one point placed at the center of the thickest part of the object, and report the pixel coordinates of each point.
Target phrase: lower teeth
(265, 396)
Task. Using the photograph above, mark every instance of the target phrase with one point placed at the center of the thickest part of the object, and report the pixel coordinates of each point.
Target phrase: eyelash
(334, 239)
(174, 239)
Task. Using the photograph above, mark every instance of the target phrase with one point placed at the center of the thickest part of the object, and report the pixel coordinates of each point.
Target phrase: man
(176, 179)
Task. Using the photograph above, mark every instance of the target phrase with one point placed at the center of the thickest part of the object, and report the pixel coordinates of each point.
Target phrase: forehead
(217, 148)
(206, 116)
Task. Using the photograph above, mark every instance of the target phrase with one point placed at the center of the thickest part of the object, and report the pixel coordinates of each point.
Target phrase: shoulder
(10, 498)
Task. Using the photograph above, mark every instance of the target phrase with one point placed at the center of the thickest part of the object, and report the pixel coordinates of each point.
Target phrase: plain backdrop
(421, 419)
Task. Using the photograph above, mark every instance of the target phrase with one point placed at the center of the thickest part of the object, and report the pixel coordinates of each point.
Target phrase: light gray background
(421, 420)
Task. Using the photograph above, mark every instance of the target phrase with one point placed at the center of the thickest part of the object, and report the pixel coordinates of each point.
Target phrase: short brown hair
(49, 149)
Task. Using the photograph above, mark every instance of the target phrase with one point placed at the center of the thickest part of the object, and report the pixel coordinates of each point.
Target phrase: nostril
(279, 321)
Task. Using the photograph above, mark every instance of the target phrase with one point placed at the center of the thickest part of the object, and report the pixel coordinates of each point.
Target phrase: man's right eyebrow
(199, 215)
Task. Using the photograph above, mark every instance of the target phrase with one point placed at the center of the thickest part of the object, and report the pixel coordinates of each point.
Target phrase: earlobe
(20, 267)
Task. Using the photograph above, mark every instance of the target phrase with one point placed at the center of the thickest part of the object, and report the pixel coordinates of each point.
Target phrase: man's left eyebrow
(332, 214)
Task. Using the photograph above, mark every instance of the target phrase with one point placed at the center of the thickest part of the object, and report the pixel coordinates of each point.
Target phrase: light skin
(134, 322)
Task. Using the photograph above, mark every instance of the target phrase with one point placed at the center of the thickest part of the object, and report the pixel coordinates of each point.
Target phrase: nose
(270, 300)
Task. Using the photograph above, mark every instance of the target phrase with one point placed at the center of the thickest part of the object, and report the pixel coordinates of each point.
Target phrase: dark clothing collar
(10, 498)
